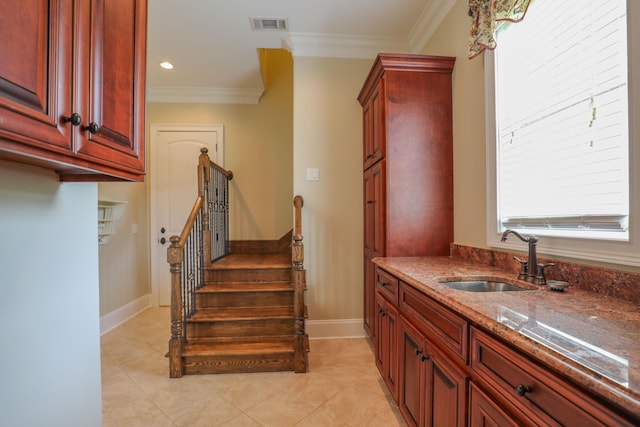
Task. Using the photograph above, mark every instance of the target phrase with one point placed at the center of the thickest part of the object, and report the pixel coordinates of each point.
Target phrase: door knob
(162, 240)
(162, 230)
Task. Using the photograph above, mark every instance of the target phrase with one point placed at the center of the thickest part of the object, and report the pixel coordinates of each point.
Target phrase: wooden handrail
(191, 220)
(222, 170)
(188, 251)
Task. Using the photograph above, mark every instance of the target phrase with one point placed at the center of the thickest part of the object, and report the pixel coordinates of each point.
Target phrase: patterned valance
(485, 14)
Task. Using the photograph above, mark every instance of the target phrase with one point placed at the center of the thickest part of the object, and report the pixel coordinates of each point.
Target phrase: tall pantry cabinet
(408, 162)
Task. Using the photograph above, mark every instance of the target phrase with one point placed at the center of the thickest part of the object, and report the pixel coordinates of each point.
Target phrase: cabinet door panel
(369, 210)
(392, 351)
(35, 75)
(446, 395)
(411, 374)
(367, 134)
(369, 292)
(379, 334)
(379, 207)
(116, 31)
(483, 412)
(378, 127)
(373, 126)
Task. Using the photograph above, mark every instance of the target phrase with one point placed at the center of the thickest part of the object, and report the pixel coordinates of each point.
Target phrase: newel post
(174, 258)
(204, 178)
(299, 282)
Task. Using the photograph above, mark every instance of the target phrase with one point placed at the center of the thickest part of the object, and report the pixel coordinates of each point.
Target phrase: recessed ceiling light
(166, 65)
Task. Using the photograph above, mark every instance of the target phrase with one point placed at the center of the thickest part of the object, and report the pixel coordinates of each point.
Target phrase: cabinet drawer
(538, 393)
(441, 324)
(387, 285)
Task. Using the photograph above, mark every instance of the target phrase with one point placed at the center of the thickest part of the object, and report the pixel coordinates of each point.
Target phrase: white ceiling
(214, 49)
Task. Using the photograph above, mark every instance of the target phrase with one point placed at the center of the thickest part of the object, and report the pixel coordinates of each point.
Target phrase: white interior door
(174, 151)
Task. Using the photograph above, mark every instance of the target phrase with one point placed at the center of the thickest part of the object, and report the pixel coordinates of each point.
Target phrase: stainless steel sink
(483, 286)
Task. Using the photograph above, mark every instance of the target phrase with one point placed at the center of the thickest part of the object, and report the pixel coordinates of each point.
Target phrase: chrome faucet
(531, 267)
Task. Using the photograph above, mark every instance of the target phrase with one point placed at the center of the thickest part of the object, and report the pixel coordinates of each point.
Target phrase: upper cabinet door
(112, 82)
(373, 126)
(35, 76)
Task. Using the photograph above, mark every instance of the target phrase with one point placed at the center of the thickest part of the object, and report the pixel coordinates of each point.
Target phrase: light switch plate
(312, 174)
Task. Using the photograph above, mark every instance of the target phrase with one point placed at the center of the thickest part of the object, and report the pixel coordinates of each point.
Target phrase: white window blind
(562, 119)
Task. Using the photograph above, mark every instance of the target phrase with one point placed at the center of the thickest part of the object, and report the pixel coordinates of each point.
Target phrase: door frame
(154, 128)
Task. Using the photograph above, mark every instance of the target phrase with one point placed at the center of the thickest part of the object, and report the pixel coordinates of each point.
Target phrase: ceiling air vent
(260, 24)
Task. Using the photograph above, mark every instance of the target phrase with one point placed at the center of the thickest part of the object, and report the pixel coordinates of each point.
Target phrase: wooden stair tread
(246, 287)
(252, 261)
(248, 346)
(241, 313)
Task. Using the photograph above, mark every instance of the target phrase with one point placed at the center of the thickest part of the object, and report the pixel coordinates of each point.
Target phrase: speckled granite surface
(592, 338)
(615, 283)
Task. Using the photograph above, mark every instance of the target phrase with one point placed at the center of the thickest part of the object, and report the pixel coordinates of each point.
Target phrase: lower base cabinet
(437, 384)
(433, 391)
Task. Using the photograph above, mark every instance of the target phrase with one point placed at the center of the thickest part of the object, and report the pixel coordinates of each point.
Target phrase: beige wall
(469, 169)
(124, 259)
(328, 136)
(258, 150)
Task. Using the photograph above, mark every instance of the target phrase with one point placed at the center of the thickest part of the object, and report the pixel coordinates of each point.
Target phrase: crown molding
(340, 46)
(429, 21)
(344, 46)
(204, 95)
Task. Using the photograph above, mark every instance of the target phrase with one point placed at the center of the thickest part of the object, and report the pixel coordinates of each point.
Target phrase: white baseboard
(120, 315)
(341, 328)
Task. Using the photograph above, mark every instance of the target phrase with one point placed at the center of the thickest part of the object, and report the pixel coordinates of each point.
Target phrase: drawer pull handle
(384, 283)
(417, 351)
(523, 389)
(424, 357)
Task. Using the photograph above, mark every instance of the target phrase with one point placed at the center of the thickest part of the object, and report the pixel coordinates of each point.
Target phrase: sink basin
(483, 286)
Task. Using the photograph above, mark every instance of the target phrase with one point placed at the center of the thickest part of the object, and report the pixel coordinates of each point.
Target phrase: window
(559, 157)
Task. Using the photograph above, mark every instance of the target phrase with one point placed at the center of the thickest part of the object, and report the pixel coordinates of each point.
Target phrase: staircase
(245, 318)
(243, 312)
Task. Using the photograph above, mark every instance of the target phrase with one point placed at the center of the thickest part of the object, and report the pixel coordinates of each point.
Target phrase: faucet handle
(523, 268)
(541, 278)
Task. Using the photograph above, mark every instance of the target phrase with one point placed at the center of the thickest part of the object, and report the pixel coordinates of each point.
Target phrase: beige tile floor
(342, 388)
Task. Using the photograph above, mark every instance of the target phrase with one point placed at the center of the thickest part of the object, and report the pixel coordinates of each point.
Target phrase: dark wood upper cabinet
(72, 87)
(35, 76)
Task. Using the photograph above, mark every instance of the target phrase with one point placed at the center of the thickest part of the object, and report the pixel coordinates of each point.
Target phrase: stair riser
(243, 328)
(255, 275)
(244, 299)
(237, 364)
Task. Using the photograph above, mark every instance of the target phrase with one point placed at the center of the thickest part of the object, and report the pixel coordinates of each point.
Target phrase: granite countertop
(591, 338)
